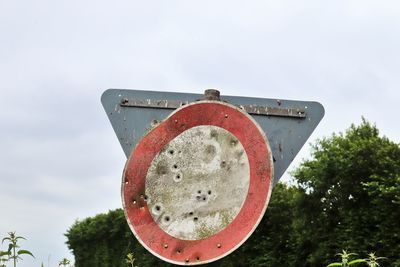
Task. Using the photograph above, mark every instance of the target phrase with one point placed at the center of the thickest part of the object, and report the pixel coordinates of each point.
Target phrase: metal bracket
(251, 109)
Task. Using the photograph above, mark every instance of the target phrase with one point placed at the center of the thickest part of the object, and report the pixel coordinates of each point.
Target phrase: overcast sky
(59, 158)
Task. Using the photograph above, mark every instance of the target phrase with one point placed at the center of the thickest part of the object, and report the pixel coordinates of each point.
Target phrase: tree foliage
(350, 196)
(345, 197)
(106, 240)
(103, 240)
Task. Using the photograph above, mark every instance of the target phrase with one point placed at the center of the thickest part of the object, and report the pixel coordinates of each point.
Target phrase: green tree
(350, 196)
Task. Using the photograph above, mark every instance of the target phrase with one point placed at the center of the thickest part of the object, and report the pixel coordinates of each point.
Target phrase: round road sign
(197, 185)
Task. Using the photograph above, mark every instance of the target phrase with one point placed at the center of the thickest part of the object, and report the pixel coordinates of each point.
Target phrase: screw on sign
(197, 184)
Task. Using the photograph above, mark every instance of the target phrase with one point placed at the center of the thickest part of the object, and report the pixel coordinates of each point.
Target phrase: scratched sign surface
(198, 183)
(193, 170)
(287, 123)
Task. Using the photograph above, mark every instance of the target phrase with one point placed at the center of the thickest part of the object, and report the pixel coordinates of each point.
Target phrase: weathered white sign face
(197, 184)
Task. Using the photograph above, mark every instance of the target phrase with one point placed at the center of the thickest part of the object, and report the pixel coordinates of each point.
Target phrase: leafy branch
(13, 252)
(64, 262)
(130, 259)
(346, 260)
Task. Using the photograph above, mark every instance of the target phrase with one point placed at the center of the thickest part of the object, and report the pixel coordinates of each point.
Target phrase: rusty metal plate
(251, 109)
(196, 185)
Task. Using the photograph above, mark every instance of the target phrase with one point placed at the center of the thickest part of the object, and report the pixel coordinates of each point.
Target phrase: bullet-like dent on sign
(198, 182)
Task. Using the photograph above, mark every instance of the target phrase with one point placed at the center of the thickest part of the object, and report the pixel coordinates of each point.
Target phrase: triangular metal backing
(286, 133)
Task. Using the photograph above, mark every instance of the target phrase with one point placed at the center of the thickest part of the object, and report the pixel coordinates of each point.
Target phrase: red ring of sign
(191, 252)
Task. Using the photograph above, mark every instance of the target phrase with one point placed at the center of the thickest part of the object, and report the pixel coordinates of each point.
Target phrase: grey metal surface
(286, 135)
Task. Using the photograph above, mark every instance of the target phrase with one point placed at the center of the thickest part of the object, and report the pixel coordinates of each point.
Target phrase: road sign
(197, 185)
(199, 178)
(287, 123)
